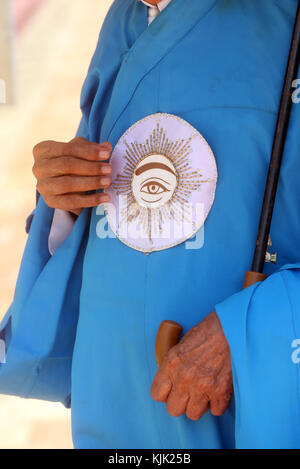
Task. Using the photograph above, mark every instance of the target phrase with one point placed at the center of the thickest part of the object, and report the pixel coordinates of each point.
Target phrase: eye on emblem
(154, 181)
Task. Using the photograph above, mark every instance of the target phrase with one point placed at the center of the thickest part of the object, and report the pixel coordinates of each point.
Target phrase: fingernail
(103, 155)
(106, 169)
(105, 181)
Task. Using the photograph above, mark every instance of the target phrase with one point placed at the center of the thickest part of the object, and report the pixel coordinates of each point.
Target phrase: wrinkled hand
(65, 172)
(196, 374)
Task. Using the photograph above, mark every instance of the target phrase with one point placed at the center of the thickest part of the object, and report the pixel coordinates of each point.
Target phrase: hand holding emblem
(68, 174)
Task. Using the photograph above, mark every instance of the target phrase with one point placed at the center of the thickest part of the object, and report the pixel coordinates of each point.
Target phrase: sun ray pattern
(157, 180)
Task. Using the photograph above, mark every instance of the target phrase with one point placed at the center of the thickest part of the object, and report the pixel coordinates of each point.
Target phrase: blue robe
(82, 326)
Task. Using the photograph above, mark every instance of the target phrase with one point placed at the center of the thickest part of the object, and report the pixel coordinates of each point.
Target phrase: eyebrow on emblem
(148, 166)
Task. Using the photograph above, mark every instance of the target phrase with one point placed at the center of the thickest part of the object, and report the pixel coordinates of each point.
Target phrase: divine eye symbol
(153, 187)
(154, 181)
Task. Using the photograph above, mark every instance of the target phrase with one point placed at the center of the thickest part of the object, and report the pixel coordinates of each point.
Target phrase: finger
(75, 148)
(161, 387)
(89, 150)
(196, 408)
(218, 407)
(220, 400)
(84, 140)
(69, 165)
(177, 403)
(73, 202)
(68, 184)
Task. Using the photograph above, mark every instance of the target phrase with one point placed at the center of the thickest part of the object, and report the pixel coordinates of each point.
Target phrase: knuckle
(71, 148)
(168, 361)
(40, 187)
(35, 170)
(50, 201)
(225, 387)
(223, 394)
(228, 380)
(65, 202)
(42, 148)
(65, 165)
(78, 140)
(172, 357)
(74, 140)
(43, 187)
(39, 168)
(207, 383)
(65, 184)
(204, 395)
(36, 149)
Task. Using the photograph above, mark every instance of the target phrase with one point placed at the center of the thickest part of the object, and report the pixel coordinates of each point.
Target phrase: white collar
(161, 5)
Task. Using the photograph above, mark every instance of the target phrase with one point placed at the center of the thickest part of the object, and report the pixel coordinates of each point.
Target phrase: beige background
(53, 53)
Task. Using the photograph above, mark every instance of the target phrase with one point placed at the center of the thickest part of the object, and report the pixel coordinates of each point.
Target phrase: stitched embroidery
(163, 183)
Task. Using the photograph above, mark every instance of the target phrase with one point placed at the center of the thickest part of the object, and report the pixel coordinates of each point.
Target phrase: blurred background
(45, 50)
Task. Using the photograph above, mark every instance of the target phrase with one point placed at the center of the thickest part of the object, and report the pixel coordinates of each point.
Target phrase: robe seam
(167, 52)
(130, 99)
(158, 88)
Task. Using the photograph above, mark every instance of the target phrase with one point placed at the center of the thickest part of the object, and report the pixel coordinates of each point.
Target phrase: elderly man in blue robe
(178, 115)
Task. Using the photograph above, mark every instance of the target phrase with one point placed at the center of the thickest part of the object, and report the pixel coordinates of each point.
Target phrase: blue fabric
(220, 65)
(261, 324)
(39, 328)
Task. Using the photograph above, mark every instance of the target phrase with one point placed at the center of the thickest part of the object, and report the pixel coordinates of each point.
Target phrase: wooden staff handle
(168, 335)
(253, 277)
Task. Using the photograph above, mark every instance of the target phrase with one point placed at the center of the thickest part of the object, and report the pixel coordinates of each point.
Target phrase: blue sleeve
(262, 326)
(40, 327)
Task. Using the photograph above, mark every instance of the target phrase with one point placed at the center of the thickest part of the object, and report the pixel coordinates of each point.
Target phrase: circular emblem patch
(163, 183)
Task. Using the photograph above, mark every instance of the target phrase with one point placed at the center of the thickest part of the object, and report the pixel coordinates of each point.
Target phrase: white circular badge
(163, 183)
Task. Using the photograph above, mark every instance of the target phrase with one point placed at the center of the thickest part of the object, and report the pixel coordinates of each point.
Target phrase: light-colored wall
(53, 54)
(6, 53)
